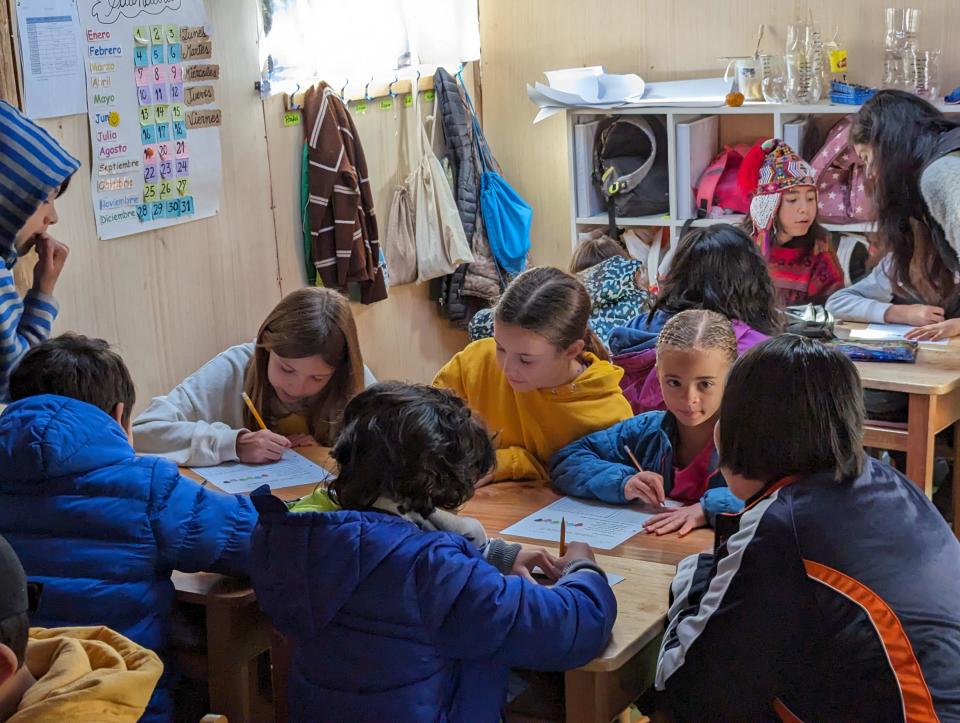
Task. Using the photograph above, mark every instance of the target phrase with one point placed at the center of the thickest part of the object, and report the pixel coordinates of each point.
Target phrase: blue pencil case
(904, 352)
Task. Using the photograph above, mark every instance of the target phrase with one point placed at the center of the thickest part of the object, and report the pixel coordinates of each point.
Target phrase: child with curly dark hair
(393, 612)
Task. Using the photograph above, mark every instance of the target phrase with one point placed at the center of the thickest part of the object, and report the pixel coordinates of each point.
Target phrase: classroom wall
(172, 299)
(404, 337)
(659, 40)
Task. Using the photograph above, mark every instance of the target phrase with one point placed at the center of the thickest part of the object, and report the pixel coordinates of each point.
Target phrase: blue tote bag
(506, 216)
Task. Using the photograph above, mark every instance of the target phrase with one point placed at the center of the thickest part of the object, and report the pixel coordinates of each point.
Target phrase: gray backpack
(630, 167)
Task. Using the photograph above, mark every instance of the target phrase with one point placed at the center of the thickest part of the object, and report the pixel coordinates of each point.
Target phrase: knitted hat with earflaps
(769, 169)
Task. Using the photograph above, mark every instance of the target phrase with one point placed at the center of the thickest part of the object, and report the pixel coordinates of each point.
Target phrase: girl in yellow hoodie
(543, 380)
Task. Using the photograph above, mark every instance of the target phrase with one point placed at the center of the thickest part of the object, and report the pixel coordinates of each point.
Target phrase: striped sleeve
(23, 323)
(736, 624)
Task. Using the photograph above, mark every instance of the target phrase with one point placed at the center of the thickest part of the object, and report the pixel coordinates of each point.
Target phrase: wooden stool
(237, 634)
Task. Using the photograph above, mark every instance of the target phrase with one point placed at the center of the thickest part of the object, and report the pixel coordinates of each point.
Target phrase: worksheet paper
(51, 58)
(887, 332)
(291, 471)
(598, 524)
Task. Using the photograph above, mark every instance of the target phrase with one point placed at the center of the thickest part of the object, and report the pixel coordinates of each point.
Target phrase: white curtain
(356, 40)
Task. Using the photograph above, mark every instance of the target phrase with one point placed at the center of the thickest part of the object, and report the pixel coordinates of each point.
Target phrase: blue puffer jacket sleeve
(199, 529)
(478, 613)
(596, 466)
(718, 499)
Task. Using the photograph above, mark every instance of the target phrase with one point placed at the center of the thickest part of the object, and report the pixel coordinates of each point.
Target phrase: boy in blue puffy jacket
(675, 449)
(393, 619)
(100, 527)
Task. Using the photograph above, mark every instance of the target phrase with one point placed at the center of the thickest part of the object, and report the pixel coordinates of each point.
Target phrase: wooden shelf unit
(779, 113)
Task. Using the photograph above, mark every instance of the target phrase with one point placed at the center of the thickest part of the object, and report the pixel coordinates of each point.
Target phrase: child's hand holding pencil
(261, 446)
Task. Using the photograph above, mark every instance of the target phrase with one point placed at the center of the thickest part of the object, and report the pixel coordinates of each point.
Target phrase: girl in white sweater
(912, 152)
(300, 373)
(872, 300)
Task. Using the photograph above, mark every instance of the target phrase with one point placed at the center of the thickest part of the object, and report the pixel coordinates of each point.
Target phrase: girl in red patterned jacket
(783, 221)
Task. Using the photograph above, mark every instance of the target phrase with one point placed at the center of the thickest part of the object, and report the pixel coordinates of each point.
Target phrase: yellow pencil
(633, 458)
(253, 410)
(563, 536)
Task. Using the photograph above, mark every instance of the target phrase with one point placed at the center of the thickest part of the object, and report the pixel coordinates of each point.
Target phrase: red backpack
(718, 185)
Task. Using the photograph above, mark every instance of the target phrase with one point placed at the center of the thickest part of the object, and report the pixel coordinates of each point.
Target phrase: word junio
(109, 11)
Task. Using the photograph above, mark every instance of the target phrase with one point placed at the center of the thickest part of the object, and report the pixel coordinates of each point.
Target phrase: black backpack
(630, 167)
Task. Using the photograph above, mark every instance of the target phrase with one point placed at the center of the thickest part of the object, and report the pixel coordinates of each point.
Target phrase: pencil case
(904, 352)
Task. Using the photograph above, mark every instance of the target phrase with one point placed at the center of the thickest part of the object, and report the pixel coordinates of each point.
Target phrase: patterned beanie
(769, 169)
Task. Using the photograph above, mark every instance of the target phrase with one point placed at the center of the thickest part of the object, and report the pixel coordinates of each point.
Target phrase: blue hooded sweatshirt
(393, 623)
(597, 466)
(102, 528)
(32, 166)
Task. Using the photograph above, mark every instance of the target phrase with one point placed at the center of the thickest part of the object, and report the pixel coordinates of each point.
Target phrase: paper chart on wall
(51, 62)
(156, 162)
(598, 524)
(292, 470)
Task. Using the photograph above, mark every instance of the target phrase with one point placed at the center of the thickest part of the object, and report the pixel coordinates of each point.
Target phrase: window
(359, 41)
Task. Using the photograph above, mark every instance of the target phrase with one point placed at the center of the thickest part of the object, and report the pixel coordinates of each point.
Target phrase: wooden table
(603, 688)
(933, 389)
(237, 630)
(932, 386)
(598, 691)
(499, 505)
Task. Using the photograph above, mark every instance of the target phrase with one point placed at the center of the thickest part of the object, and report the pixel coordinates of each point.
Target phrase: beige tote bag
(399, 242)
(441, 242)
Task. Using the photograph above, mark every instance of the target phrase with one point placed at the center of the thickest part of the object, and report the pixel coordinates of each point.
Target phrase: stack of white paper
(593, 88)
(584, 87)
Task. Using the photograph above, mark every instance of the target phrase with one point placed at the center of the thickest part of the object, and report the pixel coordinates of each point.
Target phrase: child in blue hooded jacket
(100, 527)
(394, 619)
(34, 171)
(674, 448)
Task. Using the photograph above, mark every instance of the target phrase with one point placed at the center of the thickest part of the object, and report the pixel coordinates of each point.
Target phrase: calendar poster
(154, 120)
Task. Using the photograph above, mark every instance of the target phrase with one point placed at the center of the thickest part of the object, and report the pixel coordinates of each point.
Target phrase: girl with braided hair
(674, 448)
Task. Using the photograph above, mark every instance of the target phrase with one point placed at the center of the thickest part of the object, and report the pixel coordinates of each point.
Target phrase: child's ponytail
(592, 344)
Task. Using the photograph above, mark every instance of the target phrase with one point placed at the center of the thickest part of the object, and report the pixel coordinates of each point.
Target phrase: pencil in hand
(636, 463)
(563, 536)
(633, 458)
(253, 410)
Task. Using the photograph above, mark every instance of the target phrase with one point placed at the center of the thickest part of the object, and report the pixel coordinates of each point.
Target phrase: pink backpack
(841, 178)
(718, 186)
